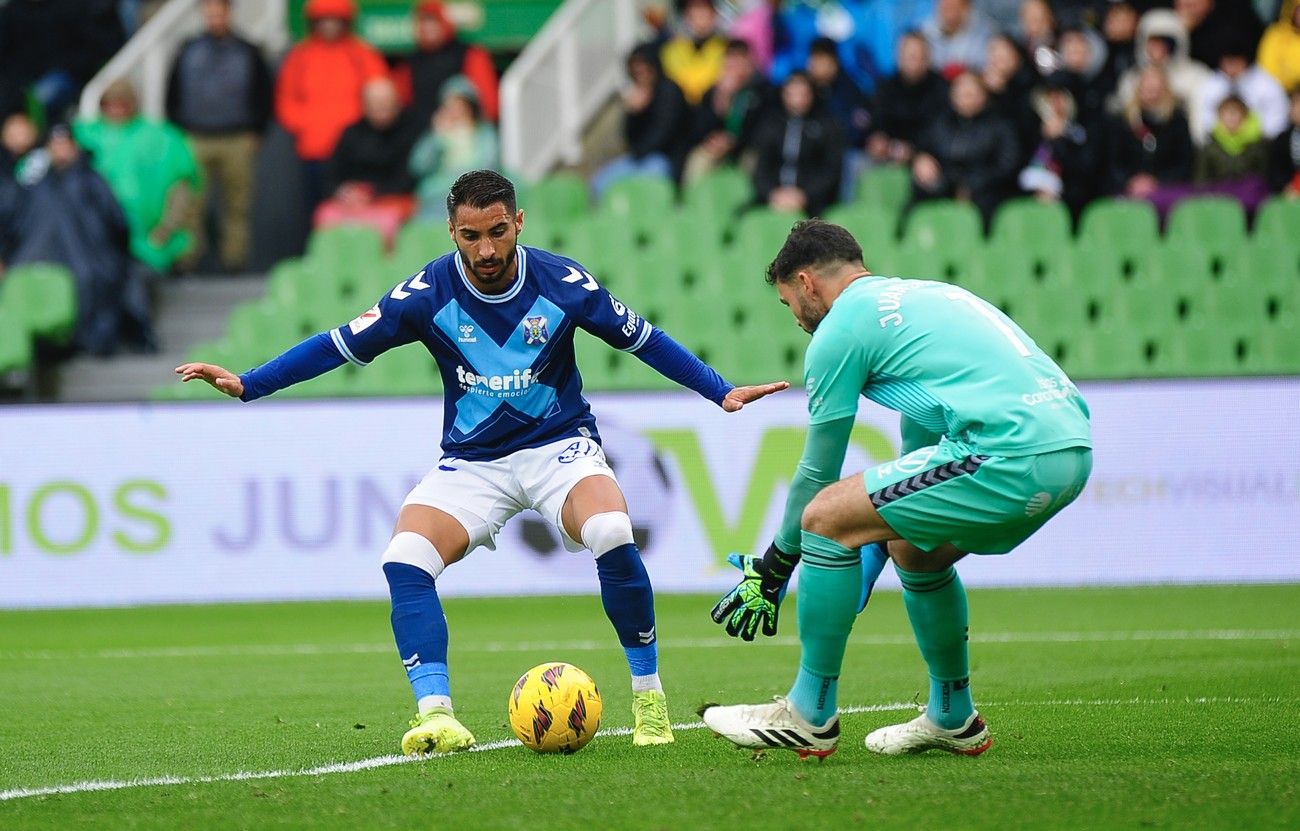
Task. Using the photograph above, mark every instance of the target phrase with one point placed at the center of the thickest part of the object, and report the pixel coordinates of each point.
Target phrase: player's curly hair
(813, 243)
(481, 189)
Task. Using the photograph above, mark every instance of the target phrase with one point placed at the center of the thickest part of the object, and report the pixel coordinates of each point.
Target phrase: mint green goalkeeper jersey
(951, 363)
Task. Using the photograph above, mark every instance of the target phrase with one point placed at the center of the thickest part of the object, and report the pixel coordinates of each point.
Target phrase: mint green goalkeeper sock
(830, 587)
(936, 605)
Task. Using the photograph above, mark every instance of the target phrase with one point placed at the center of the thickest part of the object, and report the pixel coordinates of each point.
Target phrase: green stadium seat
(762, 231)
(561, 197)
(419, 241)
(1040, 227)
(944, 224)
(1208, 221)
(15, 342)
(1274, 350)
(1126, 226)
(1216, 225)
(874, 227)
(1193, 350)
(886, 186)
(1108, 352)
(43, 296)
(639, 195)
(1278, 221)
(722, 192)
(405, 371)
(1266, 262)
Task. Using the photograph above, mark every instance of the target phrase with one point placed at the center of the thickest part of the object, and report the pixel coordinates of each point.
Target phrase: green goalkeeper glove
(754, 602)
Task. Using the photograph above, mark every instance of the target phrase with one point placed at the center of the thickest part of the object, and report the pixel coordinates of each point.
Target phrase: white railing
(146, 59)
(562, 79)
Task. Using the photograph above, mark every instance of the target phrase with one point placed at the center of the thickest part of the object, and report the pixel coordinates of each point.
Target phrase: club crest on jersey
(535, 332)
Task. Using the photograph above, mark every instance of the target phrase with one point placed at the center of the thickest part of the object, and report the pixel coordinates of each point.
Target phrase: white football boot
(772, 726)
(921, 734)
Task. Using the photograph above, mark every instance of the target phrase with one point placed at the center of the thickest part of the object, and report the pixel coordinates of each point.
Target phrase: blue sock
(936, 606)
(420, 629)
(814, 696)
(629, 603)
(874, 557)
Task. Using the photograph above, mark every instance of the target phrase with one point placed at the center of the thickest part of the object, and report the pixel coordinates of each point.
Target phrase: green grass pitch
(1111, 708)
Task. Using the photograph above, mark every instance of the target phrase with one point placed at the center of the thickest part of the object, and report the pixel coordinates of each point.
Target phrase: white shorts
(482, 496)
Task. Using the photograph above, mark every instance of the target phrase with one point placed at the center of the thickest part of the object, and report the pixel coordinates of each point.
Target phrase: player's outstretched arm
(314, 356)
(740, 396)
(222, 379)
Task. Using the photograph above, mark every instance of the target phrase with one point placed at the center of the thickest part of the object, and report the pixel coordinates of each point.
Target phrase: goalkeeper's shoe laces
(773, 726)
(650, 709)
(920, 734)
(436, 731)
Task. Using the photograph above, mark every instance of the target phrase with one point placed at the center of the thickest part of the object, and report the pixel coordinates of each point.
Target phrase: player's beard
(499, 275)
(811, 312)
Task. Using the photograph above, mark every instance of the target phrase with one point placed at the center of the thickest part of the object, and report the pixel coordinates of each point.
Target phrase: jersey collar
(522, 255)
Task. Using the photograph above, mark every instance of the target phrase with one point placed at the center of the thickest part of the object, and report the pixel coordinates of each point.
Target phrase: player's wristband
(778, 565)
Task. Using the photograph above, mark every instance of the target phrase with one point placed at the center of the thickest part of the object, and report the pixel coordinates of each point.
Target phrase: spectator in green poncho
(458, 141)
(152, 171)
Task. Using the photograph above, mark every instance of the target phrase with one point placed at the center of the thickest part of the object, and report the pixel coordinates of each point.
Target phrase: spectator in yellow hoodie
(1279, 51)
(693, 59)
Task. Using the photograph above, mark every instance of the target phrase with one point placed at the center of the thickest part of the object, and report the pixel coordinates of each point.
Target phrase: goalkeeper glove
(754, 602)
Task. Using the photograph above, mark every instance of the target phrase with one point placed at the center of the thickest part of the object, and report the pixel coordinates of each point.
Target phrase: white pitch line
(290, 650)
(392, 760)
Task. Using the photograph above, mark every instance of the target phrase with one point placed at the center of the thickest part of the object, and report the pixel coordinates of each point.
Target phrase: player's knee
(415, 550)
(604, 532)
(819, 519)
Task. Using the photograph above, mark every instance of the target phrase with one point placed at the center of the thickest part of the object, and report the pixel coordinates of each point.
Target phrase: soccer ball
(555, 708)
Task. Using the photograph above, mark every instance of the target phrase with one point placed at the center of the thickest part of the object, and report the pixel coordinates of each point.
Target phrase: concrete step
(189, 310)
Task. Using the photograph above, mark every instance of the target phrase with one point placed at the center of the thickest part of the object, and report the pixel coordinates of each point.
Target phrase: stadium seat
(1107, 352)
(762, 231)
(874, 227)
(1127, 226)
(43, 296)
(1274, 350)
(1215, 224)
(947, 224)
(1200, 351)
(561, 197)
(1209, 221)
(885, 186)
(419, 241)
(1041, 227)
(639, 195)
(1267, 262)
(1278, 221)
(15, 342)
(722, 192)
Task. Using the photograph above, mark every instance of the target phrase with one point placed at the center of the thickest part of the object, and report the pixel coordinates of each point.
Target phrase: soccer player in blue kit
(499, 319)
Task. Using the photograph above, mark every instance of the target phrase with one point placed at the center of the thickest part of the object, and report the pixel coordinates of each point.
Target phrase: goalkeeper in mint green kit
(996, 441)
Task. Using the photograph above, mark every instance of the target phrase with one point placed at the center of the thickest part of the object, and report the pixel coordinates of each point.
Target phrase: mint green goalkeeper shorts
(980, 504)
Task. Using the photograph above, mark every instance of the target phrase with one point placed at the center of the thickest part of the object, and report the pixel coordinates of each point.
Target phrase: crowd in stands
(981, 100)
(121, 199)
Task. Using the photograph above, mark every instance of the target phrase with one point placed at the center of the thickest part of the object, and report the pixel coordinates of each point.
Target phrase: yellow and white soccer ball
(555, 708)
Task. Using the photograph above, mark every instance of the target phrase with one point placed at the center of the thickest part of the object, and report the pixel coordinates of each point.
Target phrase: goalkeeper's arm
(753, 604)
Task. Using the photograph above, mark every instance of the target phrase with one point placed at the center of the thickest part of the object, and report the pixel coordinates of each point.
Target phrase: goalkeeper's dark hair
(813, 244)
(481, 189)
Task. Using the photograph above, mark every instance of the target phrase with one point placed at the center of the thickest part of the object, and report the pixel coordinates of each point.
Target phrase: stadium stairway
(189, 310)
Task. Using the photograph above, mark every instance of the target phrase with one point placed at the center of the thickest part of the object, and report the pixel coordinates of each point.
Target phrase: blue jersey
(506, 360)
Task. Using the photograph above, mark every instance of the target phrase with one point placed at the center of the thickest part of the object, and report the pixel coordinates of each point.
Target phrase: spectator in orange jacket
(440, 56)
(318, 93)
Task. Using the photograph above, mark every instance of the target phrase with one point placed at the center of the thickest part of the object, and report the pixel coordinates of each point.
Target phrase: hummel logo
(411, 662)
(467, 334)
(646, 637)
